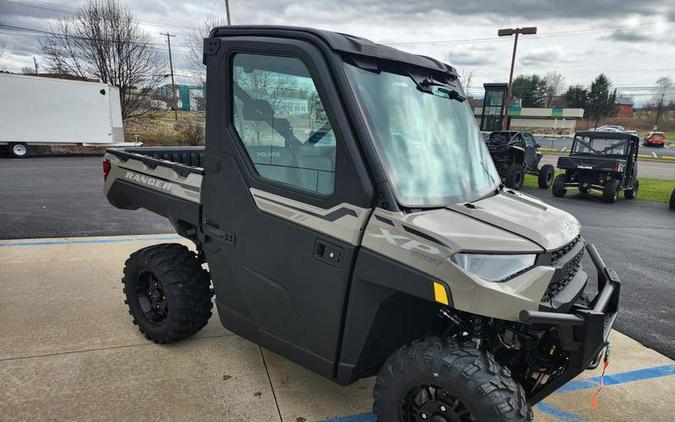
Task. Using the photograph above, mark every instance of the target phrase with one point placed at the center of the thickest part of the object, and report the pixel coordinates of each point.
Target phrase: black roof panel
(337, 41)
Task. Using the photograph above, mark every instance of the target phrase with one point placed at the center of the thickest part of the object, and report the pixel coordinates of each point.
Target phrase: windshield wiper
(448, 90)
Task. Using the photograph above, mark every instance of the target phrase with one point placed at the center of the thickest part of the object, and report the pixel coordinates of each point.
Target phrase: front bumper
(582, 330)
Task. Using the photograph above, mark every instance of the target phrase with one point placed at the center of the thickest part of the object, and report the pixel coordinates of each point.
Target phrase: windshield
(586, 145)
(429, 144)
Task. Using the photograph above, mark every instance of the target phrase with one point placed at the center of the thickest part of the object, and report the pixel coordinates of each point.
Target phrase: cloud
(551, 54)
(471, 55)
(628, 35)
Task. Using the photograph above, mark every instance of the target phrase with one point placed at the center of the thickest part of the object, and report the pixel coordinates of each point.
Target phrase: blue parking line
(12, 244)
(620, 378)
(575, 385)
(559, 414)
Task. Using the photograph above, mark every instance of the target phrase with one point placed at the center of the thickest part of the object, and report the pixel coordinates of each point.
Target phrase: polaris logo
(586, 167)
(406, 242)
(148, 181)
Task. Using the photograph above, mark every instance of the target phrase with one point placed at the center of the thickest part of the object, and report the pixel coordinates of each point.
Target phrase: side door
(286, 197)
(530, 148)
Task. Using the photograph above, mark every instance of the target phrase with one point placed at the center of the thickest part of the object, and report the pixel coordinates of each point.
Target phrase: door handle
(328, 253)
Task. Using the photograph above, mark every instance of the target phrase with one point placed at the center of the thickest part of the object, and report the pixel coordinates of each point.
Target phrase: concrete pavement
(69, 352)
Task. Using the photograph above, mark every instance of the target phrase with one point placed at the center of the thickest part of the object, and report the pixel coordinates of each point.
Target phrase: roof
(624, 101)
(339, 42)
(606, 135)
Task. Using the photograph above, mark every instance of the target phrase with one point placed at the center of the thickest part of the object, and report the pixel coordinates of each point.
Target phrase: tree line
(598, 99)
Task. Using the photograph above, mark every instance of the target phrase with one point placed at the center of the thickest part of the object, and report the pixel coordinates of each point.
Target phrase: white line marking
(563, 149)
(654, 155)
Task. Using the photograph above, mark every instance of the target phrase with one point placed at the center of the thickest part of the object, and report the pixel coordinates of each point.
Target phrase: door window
(282, 123)
(529, 140)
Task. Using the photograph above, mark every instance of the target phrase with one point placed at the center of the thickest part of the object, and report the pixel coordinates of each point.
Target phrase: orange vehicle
(655, 139)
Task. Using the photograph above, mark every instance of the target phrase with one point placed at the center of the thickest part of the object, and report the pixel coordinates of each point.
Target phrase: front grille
(567, 261)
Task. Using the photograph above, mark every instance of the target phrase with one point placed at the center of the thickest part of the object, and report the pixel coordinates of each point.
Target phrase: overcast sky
(633, 42)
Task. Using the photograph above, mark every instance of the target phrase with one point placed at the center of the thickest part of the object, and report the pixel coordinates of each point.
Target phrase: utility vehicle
(515, 154)
(353, 222)
(602, 161)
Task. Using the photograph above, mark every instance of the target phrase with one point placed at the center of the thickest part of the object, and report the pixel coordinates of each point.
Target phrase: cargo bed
(164, 180)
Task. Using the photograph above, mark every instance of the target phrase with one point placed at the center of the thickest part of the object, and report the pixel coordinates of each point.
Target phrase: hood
(523, 215)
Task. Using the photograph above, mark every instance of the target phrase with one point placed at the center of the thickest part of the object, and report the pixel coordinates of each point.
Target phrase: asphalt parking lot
(82, 348)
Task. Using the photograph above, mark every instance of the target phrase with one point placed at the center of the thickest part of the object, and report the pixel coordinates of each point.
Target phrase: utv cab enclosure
(601, 161)
(515, 154)
(353, 222)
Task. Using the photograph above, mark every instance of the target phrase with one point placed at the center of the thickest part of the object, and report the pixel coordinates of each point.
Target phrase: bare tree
(553, 86)
(465, 77)
(195, 43)
(664, 91)
(3, 50)
(104, 40)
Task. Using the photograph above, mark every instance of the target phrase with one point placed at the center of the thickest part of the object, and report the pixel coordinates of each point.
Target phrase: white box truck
(47, 111)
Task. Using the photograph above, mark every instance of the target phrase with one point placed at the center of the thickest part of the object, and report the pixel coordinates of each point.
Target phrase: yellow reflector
(439, 293)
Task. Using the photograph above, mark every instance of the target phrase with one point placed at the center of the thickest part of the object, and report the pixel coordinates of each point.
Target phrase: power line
(30, 31)
(72, 11)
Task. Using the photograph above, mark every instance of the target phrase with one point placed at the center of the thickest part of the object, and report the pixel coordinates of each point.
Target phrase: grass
(650, 189)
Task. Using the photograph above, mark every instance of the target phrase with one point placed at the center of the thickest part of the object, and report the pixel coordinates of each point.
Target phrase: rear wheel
(514, 176)
(436, 380)
(19, 150)
(611, 191)
(167, 292)
(632, 193)
(545, 177)
(559, 186)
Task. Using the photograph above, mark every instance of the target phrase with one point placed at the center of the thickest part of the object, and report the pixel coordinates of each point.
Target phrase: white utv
(353, 222)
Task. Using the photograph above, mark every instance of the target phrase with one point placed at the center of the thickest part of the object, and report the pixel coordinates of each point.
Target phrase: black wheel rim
(152, 298)
(549, 178)
(429, 403)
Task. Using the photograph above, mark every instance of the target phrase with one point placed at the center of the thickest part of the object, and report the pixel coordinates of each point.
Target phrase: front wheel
(436, 380)
(545, 177)
(515, 175)
(19, 150)
(559, 186)
(167, 291)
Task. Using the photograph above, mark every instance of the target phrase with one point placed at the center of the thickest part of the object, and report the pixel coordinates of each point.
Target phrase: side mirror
(257, 111)
(536, 145)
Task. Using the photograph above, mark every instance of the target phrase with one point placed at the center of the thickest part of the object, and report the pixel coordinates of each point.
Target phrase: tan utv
(353, 222)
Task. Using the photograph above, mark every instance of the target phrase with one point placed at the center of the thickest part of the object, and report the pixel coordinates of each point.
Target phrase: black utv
(515, 154)
(601, 161)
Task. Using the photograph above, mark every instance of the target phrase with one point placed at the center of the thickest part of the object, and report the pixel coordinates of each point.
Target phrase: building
(546, 120)
(189, 97)
(624, 106)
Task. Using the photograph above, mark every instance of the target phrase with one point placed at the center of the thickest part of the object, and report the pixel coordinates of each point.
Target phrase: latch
(328, 253)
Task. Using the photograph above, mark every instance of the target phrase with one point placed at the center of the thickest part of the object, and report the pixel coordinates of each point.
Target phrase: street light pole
(505, 33)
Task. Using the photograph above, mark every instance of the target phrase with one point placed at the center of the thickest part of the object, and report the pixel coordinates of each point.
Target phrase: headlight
(494, 267)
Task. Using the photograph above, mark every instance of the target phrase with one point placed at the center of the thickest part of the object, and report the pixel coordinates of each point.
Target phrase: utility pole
(658, 112)
(227, 12)
(36, 66)
(505, 33)
(173, 84)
